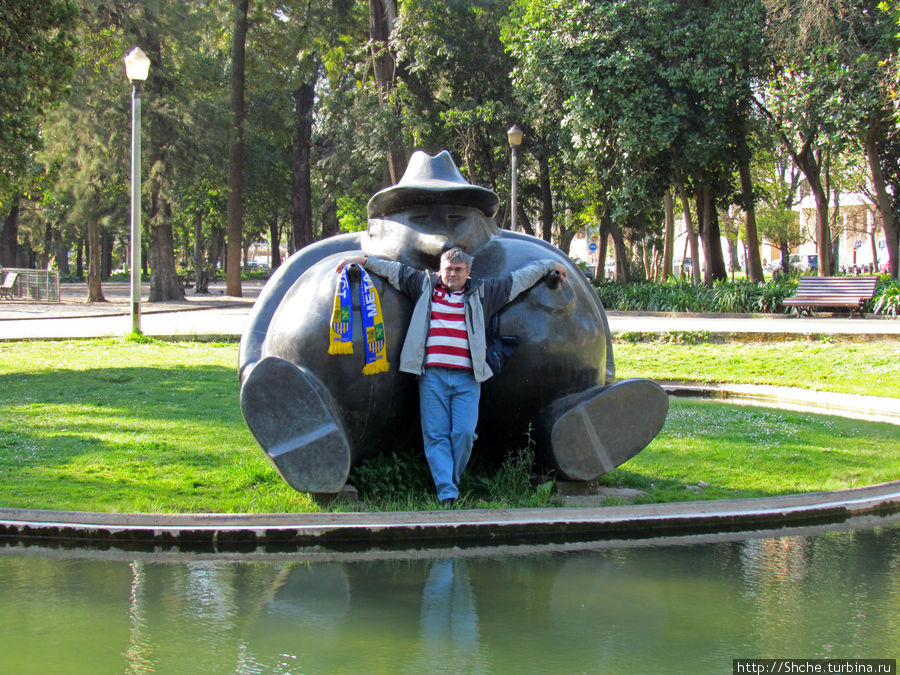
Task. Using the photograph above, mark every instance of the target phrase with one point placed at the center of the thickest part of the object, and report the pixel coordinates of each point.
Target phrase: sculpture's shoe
(591, 433)
(293, 418)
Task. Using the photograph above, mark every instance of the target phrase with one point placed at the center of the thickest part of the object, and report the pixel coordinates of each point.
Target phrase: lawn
(850, 367)
(122, 426)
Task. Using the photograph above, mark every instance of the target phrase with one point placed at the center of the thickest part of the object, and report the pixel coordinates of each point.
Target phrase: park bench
(832, 292)
(6, 288)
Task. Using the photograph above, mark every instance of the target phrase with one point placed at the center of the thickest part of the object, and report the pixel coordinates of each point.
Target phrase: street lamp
(137, 65)
(515, 140)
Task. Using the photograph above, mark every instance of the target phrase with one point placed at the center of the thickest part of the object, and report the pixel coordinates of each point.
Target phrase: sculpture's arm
(406, 279)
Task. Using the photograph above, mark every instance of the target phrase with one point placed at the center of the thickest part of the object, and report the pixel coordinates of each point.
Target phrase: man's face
(454, 275)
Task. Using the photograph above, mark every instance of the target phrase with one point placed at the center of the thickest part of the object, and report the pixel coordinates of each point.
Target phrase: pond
(680, 605)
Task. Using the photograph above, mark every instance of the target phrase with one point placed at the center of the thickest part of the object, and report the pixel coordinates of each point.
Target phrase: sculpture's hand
(352, 260)
(561, 269)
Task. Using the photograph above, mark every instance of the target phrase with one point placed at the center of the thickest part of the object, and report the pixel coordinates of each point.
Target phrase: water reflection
(622, 608)
(449, 639)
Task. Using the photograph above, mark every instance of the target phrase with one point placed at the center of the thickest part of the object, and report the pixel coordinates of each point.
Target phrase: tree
(778, 181)
(164, 31)
(382, 17)
(37, 56)
(36, 66)
(657, 92)
(453, 87)
(824, 60)
(236, 149)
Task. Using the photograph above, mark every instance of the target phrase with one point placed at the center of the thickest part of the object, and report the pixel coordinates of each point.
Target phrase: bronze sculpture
(316, 415)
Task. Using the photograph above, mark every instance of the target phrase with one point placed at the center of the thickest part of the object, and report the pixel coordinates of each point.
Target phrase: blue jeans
(448, 402)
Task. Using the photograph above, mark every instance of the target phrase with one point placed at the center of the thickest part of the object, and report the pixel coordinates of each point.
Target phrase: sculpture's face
(419, 234)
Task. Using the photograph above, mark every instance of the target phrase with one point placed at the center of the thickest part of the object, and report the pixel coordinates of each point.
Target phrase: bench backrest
(863, 287)
(9, 279)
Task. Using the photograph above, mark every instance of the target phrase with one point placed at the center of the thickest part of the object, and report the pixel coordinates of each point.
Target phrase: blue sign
(592, 246)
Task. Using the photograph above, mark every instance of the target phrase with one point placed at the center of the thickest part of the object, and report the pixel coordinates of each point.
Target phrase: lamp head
(515, 136)
(137, 65)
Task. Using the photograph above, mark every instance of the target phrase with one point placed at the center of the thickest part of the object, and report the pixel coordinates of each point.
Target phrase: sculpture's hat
(432, 180)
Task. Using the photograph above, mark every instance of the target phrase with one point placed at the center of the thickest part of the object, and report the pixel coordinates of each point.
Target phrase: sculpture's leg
(293, 418)
(588, 434)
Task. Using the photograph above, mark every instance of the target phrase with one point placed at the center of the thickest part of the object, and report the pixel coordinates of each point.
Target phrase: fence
(33, 285)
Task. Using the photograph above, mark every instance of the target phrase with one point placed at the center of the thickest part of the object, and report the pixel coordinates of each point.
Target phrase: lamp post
(137, 65)
(514, 134)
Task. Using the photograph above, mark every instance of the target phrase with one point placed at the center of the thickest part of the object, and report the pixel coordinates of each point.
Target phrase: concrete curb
(280, 532)
(853, 406)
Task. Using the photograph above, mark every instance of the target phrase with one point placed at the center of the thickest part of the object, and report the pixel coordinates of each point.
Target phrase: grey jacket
(484, 297)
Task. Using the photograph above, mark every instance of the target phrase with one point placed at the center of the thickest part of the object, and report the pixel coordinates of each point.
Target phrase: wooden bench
(6, 287)
(832, 292)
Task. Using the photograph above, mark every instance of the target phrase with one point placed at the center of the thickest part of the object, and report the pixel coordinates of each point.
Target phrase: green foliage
(398, 477)
(401, 480)
(683, 296)
(888, 300)
(37, 55)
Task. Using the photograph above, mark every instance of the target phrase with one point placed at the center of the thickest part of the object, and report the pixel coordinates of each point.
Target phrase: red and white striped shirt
(447, 345)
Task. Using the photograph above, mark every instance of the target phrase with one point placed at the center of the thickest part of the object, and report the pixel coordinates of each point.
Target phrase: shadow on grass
(162, 394)
(135, 417)
(658, 489)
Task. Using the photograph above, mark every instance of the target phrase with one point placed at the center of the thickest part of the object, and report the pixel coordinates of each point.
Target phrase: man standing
(445, 347)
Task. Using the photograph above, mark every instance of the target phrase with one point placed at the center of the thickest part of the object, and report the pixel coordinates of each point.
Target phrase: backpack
(499, 347)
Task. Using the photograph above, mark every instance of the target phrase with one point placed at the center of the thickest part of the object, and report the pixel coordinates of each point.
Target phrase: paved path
(221, 315)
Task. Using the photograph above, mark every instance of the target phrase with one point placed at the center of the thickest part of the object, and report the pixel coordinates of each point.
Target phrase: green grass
(854, 367)
(115, 425)
(144, 425)
(710, 450)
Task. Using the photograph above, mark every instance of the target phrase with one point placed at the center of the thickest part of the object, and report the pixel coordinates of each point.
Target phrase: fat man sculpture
(316, 415)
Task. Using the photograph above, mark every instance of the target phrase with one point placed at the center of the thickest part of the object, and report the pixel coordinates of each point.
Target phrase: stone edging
(281, 532)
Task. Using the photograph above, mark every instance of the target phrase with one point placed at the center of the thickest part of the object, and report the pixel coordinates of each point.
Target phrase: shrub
(887, 302)
(683, 296)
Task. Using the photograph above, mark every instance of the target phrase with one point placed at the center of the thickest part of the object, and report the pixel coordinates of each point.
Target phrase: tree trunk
(784, 246)
(603, 244)
(623, 269)
(198, 259)
(46, 248)
(9, 236)
(330, 223)
(79, 258)
(711, 236)
(61, 253)
(275, 239)
(806, 160)
(754, 262)
(733, 259)
(691, 235)
(668, 235)
(382, 15)
(94, 287)
(235, 206)
(883, 199)
(522, 219)
(106, 250)
(301, 189)
(164, 282)
(546, 199)
(214, 252)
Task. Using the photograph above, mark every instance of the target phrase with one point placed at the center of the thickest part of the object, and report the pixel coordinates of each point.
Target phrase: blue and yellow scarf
(341, 329)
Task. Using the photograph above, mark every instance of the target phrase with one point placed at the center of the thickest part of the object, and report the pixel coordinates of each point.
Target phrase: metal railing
(33, 285)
